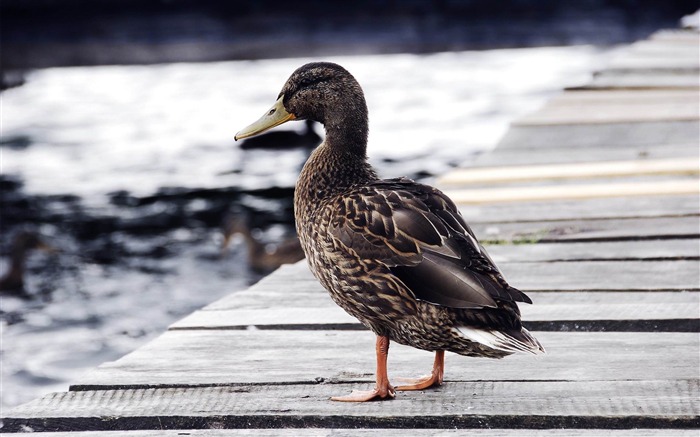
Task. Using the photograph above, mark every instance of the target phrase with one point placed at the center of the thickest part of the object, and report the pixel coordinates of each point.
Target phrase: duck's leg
(383, 390)
(434, 379)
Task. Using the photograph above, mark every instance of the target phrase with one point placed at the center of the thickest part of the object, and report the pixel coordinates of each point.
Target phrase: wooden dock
(591, 205)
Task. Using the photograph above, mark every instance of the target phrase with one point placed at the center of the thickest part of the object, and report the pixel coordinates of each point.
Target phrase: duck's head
(322, 92)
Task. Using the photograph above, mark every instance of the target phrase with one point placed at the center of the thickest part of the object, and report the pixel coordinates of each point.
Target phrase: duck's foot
(433, 380)
(419, 383)
(383, 389)
(385, 393)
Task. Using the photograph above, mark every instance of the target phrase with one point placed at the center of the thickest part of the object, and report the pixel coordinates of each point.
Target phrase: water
(124, 166)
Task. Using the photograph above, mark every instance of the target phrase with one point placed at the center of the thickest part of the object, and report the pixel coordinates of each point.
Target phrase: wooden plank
(658, 48)
(562, 276)
(671, 61)
(609, 113)
(187, 358)
(480, 404)
(633, 207)
(514, 173)
(629, 308)
(335, 432)
(602, 135)
(594, 275)
(624, 80)
(541, 155)
(574, 191)
(599, 251)
(678, 36)
(297, 288)
(590, 230)
(583, 98)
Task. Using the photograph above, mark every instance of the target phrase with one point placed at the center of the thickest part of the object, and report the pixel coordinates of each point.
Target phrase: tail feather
(512, 342)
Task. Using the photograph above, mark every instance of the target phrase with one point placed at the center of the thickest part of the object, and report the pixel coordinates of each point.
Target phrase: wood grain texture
(541, 155)
(300, 297)
(334, 317)
(645, 80)
(598, 135)
(575, 191)
(335, 432)
(654, 206)
(516, 173)
(479, 404)
(630, 250)
(186, 358)
(648, 228)
(676, 36)
(296, 284)
(597, 98)
(611, 113)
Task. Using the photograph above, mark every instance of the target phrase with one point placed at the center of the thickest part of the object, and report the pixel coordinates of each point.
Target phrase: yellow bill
(274, 117)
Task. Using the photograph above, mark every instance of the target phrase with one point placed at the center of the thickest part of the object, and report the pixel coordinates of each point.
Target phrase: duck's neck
(330, 170)
(347, 132)
(340, 162)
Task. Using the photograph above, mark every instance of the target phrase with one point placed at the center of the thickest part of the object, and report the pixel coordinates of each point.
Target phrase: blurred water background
(128, 170)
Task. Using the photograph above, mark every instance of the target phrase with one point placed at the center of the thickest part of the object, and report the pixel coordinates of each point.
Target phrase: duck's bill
(275, 116)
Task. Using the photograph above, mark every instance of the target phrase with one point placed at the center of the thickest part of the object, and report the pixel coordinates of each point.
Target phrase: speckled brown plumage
(395, 254)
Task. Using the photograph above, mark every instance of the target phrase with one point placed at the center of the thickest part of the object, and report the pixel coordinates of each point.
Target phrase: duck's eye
(308, 81)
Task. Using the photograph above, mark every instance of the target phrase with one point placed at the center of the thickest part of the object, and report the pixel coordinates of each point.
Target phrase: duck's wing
(418, 233)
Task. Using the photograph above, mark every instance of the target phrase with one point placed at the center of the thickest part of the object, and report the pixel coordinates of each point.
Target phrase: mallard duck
(393, 253)
(22, 243)
(260, 259)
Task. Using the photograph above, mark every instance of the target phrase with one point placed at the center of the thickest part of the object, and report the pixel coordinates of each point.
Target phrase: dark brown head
(322, 92)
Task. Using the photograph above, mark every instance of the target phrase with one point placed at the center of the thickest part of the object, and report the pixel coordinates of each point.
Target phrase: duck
(25, 241)
(285, 140)
(261, 257)
(395, 254)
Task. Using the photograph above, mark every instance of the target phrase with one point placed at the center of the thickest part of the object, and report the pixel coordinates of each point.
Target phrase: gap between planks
(385, 432)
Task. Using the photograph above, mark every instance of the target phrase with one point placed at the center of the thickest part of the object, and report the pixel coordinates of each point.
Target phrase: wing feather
(419, 234)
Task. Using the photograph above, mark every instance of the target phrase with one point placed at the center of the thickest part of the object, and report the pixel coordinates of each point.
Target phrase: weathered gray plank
(609, 173)
(598, 135)
(481, 404)
(591, 229)
(640, 80)
(335, 432)
(677, 36)
(548, 191)
(333, 316)
(654, 206)
(185, 358)
(594, 275)
(311, 296)
(617, 250)
(616, 106)
(554, 155)
(599, 98)
(643, 60)
(294, 286)
(610, 113)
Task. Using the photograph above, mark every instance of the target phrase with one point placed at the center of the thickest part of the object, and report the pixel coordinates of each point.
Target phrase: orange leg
(434, 379)
(383, 390)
